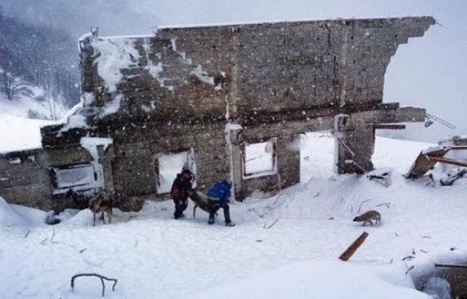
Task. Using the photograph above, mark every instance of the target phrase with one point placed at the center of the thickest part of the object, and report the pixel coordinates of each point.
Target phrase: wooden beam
(390, 126)
(353, 247)
(451, 266)
(458, 147)
(448, 161)
(424, 162)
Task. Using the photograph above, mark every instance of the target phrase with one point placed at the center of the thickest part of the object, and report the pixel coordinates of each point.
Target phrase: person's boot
(229, 223)
(211, 219)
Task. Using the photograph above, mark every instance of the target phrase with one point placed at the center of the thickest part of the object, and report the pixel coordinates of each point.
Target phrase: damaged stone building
(208, 98)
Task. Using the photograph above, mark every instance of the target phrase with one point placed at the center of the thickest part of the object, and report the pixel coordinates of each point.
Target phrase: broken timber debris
(427, 159)
(451, 178)
(383, 178)
(352, 248)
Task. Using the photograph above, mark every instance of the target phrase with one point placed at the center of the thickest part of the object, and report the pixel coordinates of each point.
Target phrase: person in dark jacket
(218, 197)
(181, 190)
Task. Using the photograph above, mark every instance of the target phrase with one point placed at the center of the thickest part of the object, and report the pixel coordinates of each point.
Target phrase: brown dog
(201, 201)
(103, 205)
(368, 217)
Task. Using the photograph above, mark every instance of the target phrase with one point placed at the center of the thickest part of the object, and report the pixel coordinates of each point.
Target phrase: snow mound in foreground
(13, 215)
(317, 279)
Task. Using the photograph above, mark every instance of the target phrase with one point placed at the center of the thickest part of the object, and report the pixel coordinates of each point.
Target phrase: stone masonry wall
(183, 85)
(274, 79)
(24, 180)
(137, 147)
(257, 68)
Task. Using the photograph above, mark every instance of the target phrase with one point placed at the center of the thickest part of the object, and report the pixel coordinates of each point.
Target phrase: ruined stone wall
(274, 79)
(137, 147)
(287, 154)
(282, 67)
(178, 89)
(288, 169)
(256, 68)
(167, 81)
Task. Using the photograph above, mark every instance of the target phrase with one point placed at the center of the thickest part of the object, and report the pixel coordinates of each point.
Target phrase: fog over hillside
(113, 17)
(428, 72)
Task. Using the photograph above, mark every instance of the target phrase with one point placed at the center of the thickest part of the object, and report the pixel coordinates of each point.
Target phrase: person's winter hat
(187, 173)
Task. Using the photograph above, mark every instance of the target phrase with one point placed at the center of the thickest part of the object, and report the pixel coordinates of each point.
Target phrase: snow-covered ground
(285, 246)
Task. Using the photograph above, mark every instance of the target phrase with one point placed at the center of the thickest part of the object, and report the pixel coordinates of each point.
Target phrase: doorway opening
(316, 155)
(167, 166)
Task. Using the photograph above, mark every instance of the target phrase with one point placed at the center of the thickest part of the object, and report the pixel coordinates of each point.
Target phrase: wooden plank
(424, 162)
(353, 247)
(448, 161)
(458, 147)
(451, 266)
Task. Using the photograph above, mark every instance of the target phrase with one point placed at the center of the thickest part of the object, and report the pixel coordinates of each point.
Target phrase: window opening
(260, 159)
(76, 177)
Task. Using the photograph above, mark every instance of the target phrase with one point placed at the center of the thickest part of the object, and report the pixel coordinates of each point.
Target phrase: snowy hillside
(30, 107)
(285, 246)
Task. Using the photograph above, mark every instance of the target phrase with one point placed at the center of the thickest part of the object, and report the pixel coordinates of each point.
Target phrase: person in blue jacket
(218, 197)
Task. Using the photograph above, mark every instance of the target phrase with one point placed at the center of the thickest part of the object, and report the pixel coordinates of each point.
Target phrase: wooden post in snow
(352, 248)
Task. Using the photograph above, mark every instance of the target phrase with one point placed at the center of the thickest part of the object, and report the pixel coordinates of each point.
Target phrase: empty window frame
(167, 166)
(260, 159)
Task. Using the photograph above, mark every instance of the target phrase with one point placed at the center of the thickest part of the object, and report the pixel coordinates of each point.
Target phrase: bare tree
(14, 86)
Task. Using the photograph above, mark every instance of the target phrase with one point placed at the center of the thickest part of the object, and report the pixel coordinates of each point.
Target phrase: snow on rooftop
(115, 54)
(19, 133)
(112, 106)
(118, 53)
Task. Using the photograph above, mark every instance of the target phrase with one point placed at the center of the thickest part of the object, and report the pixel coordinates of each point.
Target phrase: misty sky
(429, 72)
